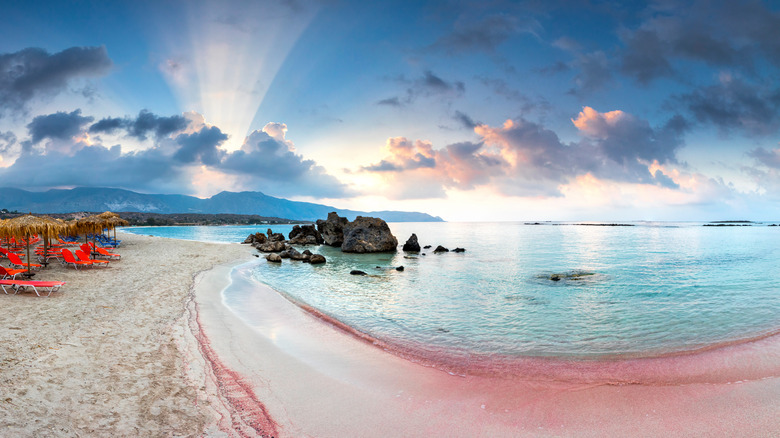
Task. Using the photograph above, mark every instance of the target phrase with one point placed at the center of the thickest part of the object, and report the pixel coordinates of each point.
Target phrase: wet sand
(317, 380)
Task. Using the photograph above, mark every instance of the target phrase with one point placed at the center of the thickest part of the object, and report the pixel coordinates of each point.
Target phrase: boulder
(368, 234)
(290, 253)
(459, 250)
(441, 249)
(400, 269)
(305, 235)
(271, 247)
(255, 238)
(276, 237)
(332, 229)
(356, 272)
(273, 257)
(427, 246)
(411, 244)
(316, 259)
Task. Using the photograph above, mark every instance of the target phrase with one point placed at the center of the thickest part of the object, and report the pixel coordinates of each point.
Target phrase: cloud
(483, 35)
(33, 72)
(736, 104)
(429, 85)
(716, 33)
(465, 120)
(144, 124)
(179, 154)
(267, 159)
(59, 125)
(594, 72)
(523, 158)
(201, 146)
(766, 158)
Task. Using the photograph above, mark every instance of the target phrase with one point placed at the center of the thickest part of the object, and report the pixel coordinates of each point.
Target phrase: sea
(563, 290)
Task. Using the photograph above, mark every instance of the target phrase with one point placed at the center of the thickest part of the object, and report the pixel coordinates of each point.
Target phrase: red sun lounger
(17, 285)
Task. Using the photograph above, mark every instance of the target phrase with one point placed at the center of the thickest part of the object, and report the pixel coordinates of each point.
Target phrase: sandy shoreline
(104, 356)
(147, 347)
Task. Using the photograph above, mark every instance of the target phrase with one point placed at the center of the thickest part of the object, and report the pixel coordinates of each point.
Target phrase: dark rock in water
(426, 246)
(356, 272)
(271, 247)
(290, 253)
(555, 277)
(317, 259)
(400, 269)
(441, 249)
(257, 238)
(332, 229)
(273, 257)
(368, 234)
(276, 237)
(459, 250)
(256, 255)
(306, 252)
(411, 245)
(269, 232)
(305, 235)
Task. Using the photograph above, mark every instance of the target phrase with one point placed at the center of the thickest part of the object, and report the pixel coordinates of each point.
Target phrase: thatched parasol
(64, 227)
(115, 221)
(29, 225)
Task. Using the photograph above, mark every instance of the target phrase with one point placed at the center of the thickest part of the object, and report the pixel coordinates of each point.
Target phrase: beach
(147, 347)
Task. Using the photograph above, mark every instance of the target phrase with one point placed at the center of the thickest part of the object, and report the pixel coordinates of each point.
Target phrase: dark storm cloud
(33, 72)
(736, 104)
(144, 124)
(594, 73)
(483, 34)
(59, 125)
(202, 146)
(430, 84)
(716, 33)
(147, 123)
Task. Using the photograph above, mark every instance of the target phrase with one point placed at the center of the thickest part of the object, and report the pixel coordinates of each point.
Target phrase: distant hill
(254, 203)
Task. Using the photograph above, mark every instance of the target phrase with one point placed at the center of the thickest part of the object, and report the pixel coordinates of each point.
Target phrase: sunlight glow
(230, 59)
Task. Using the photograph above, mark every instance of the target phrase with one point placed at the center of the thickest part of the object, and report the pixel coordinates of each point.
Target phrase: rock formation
(411, 245)
(441, 249)
(305, 235)
(332, 229)
(258, 238)
(368, 234)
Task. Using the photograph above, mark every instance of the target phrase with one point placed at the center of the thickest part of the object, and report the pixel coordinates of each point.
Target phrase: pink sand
(297, 375)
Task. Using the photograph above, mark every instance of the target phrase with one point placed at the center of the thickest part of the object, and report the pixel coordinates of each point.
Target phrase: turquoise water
(655, 288)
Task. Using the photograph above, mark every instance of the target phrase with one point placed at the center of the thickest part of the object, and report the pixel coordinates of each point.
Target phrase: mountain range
(102, 199)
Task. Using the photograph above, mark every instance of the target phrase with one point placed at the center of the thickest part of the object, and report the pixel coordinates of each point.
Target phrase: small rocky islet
(363, 235)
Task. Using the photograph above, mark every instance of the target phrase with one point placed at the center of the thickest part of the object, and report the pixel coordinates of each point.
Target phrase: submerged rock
(368, 234)
(332, 229)
(411, 244)
(426, 246)
(459, 250)
(441, 249)
(400, 269)
(356, 272)
(290, 253)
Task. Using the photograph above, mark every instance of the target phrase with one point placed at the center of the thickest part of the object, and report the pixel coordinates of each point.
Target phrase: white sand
(123, 352)
(103, 356)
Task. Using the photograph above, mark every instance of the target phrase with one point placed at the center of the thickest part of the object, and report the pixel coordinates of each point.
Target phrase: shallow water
(655, 288)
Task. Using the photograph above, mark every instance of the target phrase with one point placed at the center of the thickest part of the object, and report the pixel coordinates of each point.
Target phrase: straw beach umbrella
(90, 224)
(114, 222)
(29, 225)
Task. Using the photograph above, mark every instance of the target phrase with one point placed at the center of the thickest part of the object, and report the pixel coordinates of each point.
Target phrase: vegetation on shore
(141, 219)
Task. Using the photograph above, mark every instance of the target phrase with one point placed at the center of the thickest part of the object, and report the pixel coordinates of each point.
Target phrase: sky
(472, 111)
